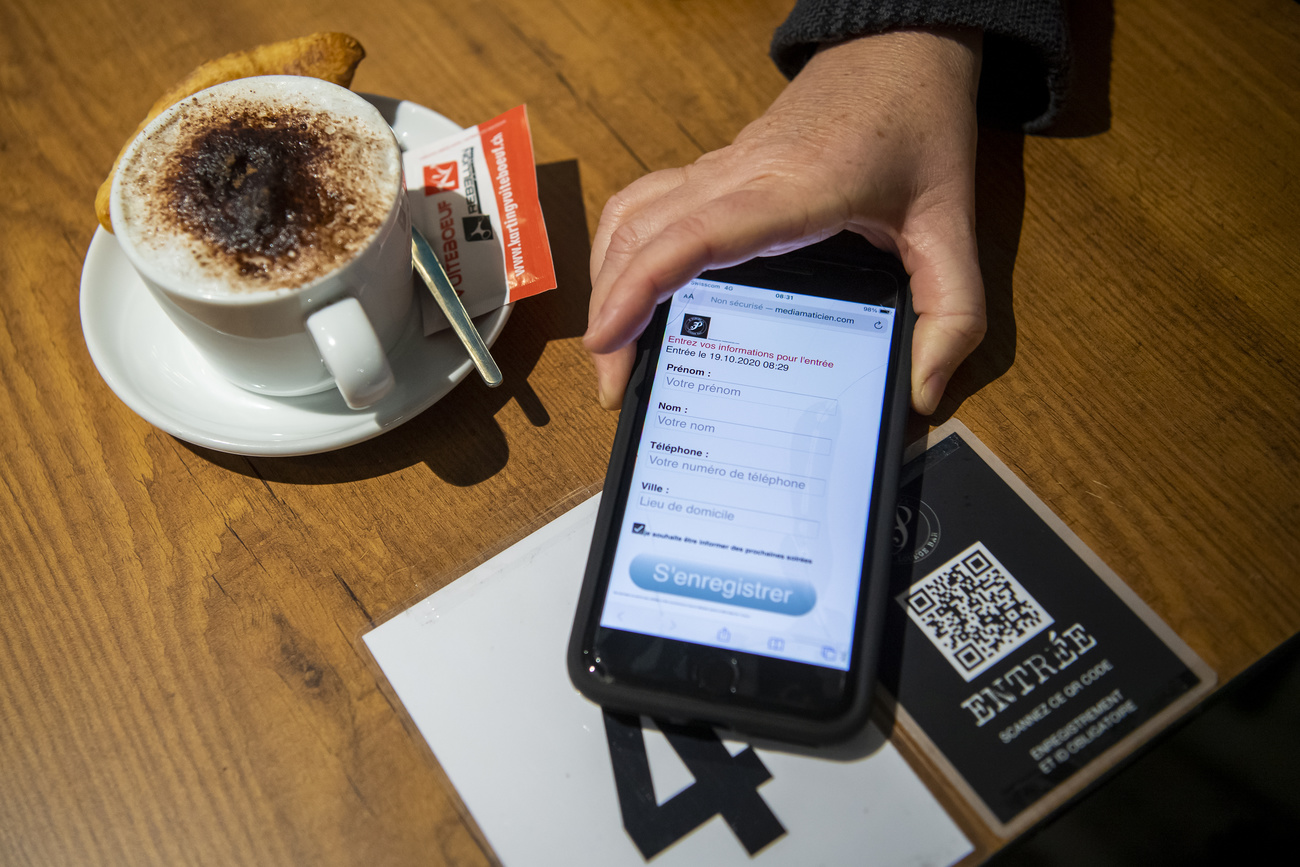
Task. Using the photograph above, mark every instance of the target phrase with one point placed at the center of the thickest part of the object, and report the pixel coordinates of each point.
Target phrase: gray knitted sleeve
(1026, 47)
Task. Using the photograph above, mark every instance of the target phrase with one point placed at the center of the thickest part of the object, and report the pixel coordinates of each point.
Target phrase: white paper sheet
(479, 666)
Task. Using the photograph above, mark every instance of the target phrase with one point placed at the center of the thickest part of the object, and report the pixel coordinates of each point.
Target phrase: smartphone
(738, 570)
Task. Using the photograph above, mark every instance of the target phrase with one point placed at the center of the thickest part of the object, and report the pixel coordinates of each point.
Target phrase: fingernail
(932, 393)
(602, 395)
(589, 341)
(594, 325)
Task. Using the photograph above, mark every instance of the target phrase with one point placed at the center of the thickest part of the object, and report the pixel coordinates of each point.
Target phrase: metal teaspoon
(435, 277)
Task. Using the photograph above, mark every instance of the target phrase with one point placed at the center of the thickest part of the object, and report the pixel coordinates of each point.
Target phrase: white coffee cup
(269, 218)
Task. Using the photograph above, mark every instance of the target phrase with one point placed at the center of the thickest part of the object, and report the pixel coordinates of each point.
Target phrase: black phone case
(682, 709)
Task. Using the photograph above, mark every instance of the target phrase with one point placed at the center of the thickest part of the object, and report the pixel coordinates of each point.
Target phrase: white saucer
(159, 374)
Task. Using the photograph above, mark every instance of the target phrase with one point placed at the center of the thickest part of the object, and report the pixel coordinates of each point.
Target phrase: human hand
(876, 135)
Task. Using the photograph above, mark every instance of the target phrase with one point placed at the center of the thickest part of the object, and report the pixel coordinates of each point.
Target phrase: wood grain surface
(180, 681)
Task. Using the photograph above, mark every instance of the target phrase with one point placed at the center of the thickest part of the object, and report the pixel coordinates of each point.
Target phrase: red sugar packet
(474, 195)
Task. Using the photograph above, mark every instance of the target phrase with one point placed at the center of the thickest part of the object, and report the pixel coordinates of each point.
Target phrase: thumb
(941, 256)
(613, 369)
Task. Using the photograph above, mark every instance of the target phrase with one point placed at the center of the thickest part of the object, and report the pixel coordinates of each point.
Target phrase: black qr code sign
(974, 611)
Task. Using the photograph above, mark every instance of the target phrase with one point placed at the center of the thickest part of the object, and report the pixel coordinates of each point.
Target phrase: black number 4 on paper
(724, 785)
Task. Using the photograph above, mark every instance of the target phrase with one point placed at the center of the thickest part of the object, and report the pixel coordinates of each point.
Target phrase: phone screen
(747, 515)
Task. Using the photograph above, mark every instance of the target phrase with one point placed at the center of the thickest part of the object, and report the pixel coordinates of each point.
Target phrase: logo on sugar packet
(442, 178)
(478, 227)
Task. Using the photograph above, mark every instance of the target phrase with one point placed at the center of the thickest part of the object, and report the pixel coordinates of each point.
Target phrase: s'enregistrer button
(667, 575)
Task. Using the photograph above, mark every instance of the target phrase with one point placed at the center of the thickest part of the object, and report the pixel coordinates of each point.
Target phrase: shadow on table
(458, 437)
(999, 213)
(1000, 200)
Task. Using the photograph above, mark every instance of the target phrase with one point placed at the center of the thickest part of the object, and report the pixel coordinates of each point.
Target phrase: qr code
(974, 612)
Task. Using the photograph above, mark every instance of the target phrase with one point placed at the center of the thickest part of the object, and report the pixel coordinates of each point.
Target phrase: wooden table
(179, 675)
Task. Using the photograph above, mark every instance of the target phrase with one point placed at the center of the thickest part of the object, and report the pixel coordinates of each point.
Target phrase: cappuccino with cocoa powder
(253, 186)
(268, 219)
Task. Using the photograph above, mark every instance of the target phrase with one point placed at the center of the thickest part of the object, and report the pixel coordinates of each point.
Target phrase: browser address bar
(839, 318)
